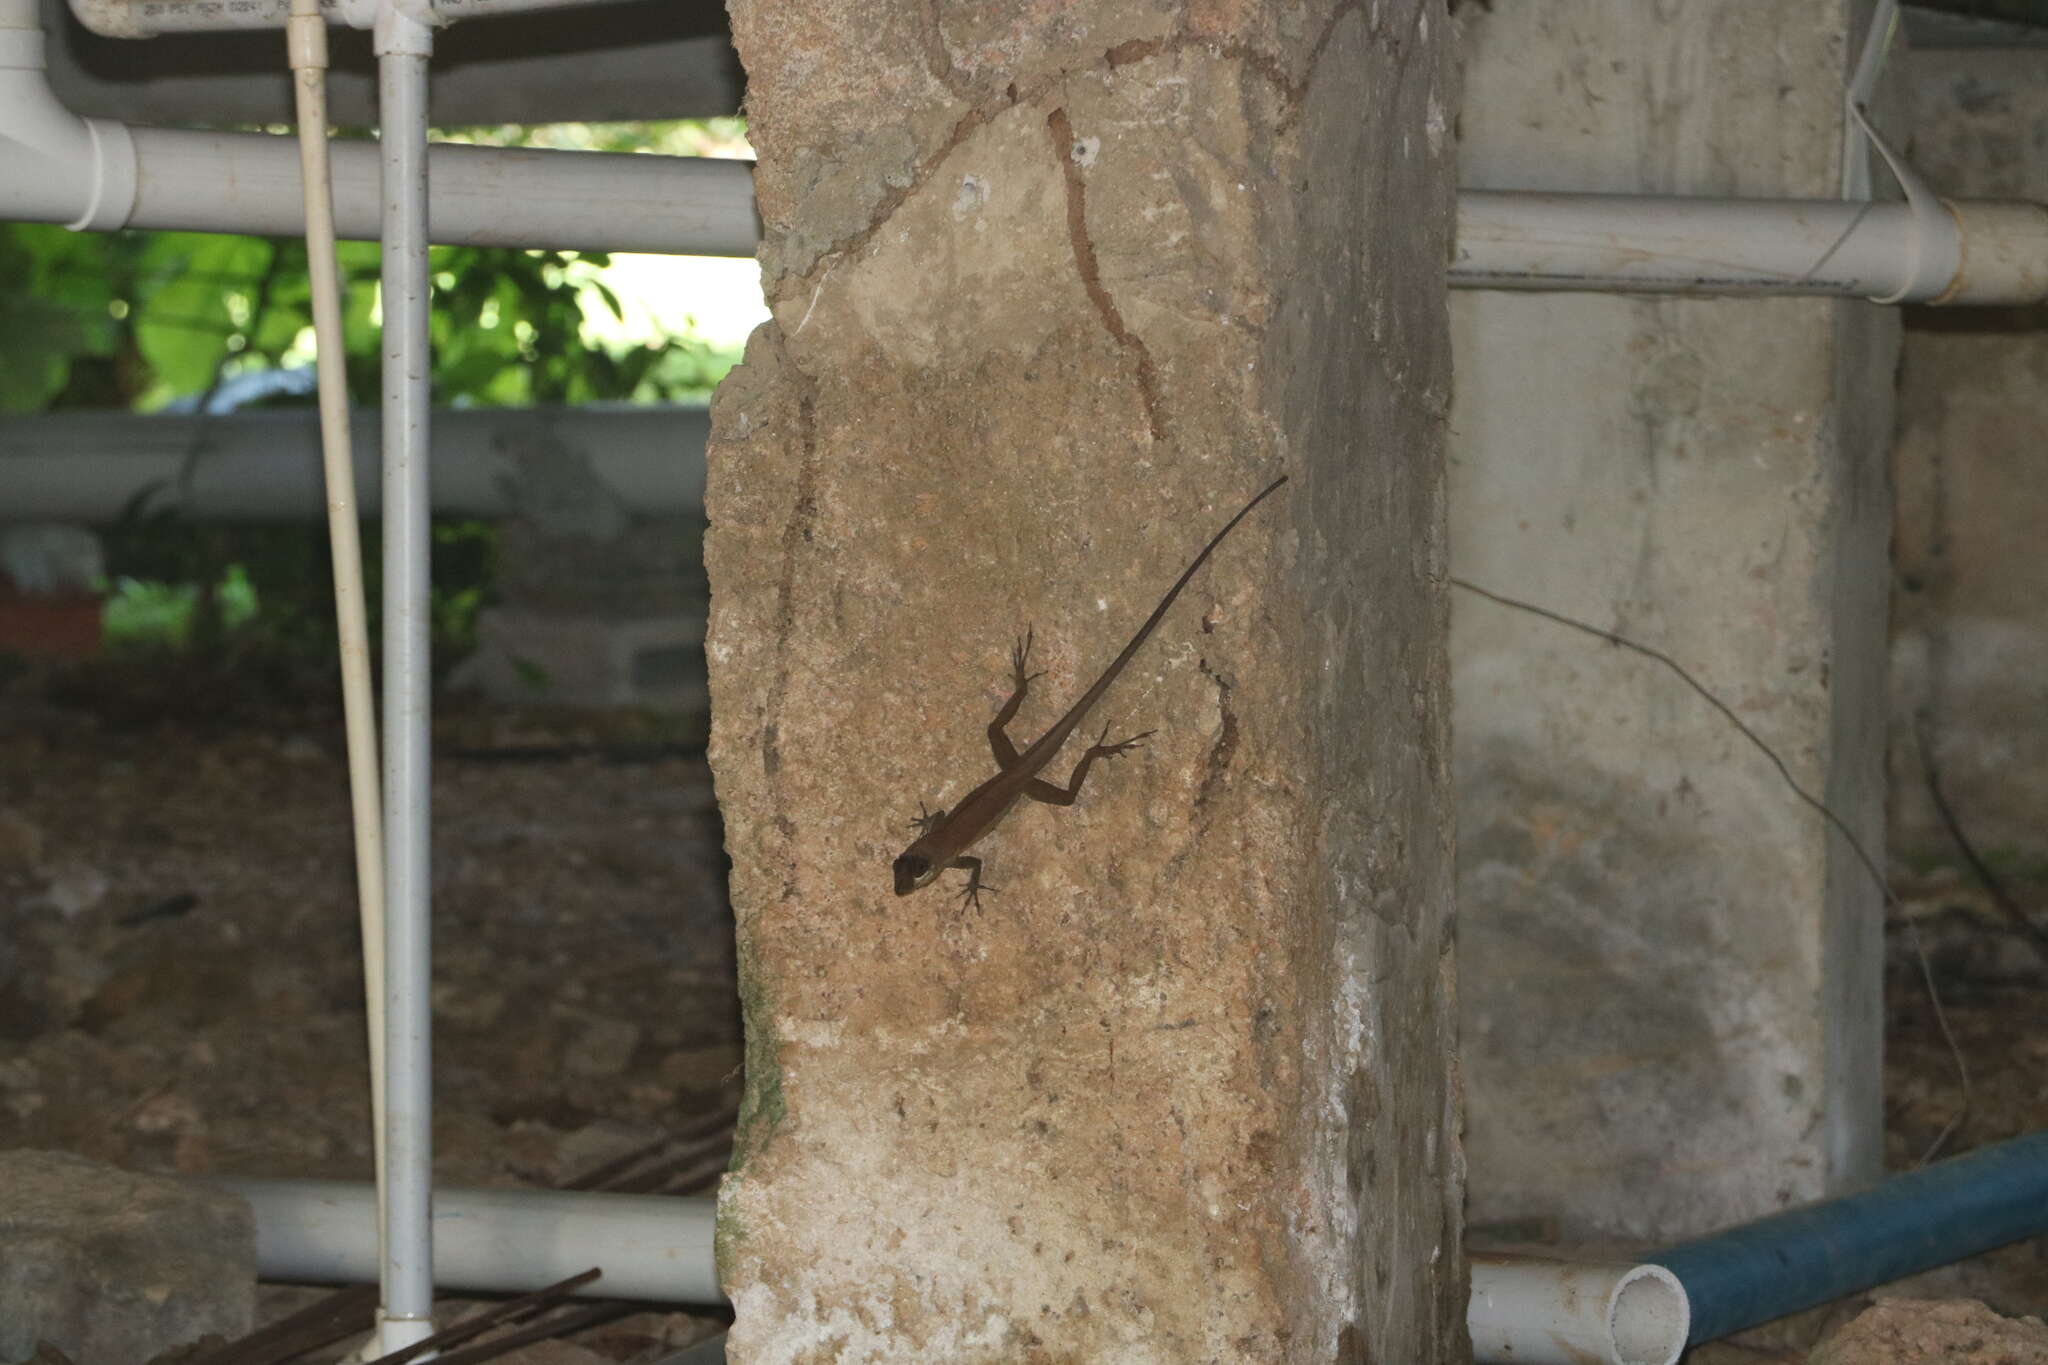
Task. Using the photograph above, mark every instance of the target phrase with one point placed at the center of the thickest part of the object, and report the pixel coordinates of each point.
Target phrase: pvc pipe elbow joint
(60, 168)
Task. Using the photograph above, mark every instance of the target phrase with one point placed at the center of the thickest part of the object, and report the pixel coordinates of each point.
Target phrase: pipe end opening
(1649, 1316)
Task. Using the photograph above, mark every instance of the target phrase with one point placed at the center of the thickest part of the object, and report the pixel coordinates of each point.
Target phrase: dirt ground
(180, 988)
(180, 985)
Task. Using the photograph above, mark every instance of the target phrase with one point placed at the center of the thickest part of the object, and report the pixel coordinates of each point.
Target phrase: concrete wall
(1970, 604)
(1670, 1000)
(1054, 290)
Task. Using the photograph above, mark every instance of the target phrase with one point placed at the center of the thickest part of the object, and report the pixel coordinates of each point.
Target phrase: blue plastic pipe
(1807, 1256)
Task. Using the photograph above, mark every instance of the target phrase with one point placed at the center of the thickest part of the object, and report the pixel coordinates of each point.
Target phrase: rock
(1934, 1332)
(21, 839)
(74, 889)
(111, 1267)
(554, 1353)
(605, 1048)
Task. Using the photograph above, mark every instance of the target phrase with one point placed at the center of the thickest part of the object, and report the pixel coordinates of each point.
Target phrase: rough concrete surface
(1671, 969)
(1970, 603)
(112, 1267)
(1054, 291)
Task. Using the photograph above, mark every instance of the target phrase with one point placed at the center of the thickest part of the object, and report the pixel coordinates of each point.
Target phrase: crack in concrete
(943, 69)
(973, 121)
(1224, 749)
(1061, 129)
(1265, 65)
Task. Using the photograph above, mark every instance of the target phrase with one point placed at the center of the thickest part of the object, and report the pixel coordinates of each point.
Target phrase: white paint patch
(1086, 150)
(973, 193)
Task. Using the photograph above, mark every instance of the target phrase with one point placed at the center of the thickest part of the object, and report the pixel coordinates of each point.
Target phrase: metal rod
(407, 1270)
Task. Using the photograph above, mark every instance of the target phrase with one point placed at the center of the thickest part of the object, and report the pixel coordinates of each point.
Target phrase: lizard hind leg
(1038, 789)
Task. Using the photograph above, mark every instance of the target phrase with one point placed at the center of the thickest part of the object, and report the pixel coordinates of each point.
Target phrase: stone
(112, 1267)
(73, 889)
(603, 1048)
(554, 1353)
(21, 840)
(1934, 1332)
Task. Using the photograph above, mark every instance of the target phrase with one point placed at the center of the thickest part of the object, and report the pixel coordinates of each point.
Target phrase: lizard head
(913, 870)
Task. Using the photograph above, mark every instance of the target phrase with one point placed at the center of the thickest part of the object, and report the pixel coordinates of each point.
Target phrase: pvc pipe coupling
(2001, 252)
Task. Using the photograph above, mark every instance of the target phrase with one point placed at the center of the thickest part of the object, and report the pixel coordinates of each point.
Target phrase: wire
(1848, 835)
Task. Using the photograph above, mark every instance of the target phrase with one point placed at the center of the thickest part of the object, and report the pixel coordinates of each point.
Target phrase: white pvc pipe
(306, 46)
(92, 173)
(402, 45)
(1976, 252)
(147, 18)
(56, 167)
(482, 196)
(265, 465)
(659, 1248)
(653, 1247)
(1529, 1311)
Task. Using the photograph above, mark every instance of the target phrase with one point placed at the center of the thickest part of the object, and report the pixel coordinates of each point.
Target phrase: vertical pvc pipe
(307, 48)
(407, 1274)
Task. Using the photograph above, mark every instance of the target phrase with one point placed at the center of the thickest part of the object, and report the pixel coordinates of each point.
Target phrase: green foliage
(153, 614)
(138, 320)
(719, 137)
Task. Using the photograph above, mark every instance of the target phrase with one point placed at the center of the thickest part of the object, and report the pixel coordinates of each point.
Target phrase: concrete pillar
(1671, 1013)
(1055, 289)
(1970, 614)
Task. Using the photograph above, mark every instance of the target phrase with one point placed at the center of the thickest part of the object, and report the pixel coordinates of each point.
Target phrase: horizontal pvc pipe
(477, 196)
(659, 1248)
(1913, 1222)
(1974, 252)
(147, 18)
(92, 173)
(89, 467)
(56, 167)
(1527, 1310)
(653, 1247)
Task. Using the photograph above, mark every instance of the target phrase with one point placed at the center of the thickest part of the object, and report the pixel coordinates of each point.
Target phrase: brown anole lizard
(946, 835)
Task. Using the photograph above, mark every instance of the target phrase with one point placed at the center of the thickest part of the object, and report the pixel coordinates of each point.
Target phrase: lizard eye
(912, 872)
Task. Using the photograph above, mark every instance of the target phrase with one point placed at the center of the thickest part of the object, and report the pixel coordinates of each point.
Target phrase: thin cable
(306, 37)
(1855, 844)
